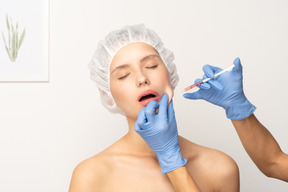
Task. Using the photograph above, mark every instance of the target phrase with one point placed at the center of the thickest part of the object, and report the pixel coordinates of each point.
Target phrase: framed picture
(24, 41)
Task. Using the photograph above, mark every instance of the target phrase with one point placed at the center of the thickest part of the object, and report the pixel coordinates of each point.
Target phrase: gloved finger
(163, 106)
(214, 83)
(137, 128)
(194, 95)
(150, 110)
(171, 113)
(197, 80)
(210, 70)
(238, 66)
(204, 77)
(203, 85)
(141, 121)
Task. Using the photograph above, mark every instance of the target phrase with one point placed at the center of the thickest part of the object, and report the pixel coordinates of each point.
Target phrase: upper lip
(147, 92)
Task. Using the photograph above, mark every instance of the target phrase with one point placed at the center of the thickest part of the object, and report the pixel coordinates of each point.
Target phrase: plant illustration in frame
(13, 43)
(24, 41)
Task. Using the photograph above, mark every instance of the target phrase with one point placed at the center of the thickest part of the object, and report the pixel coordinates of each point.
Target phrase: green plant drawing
(14, 43)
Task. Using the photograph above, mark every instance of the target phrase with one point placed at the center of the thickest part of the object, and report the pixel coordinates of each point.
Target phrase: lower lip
(145, 102)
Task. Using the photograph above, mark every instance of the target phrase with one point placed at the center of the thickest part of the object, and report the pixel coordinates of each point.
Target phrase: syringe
(207, 79)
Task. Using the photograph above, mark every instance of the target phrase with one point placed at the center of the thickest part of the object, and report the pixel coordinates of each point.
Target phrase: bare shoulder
(212, 158)
(90, 174)
(215, 166)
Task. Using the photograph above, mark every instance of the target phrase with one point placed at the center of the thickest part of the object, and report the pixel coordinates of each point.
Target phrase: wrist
(240, 111)
(171, 160)
(182, 180)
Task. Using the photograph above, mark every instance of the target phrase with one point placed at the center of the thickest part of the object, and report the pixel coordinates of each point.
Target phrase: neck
(136, 142)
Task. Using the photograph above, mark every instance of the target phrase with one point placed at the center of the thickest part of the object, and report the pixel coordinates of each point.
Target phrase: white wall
(46, 129)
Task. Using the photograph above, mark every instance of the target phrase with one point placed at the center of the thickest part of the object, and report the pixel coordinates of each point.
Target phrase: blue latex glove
(225, 91)
(160, 132)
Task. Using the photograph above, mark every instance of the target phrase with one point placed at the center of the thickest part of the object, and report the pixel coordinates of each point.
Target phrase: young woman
(136, 76)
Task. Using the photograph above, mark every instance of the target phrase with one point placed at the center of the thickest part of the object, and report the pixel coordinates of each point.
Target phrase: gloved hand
(160, 132)
(226, 91)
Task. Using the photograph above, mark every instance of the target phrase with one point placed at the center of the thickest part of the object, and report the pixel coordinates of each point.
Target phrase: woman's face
(137, 76)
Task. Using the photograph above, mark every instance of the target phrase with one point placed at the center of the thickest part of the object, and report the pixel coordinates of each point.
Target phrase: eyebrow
(149, 57)
(141, 61)
(120, 67)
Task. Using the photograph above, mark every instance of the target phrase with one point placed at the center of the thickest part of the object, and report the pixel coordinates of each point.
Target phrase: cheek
(123, 94)
(164, 82)
(117, 93)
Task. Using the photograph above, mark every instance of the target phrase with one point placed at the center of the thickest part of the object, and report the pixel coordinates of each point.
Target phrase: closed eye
(152, 67)
(123, 77)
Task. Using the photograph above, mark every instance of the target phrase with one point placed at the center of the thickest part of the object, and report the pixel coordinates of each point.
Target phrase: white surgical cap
(107, 49)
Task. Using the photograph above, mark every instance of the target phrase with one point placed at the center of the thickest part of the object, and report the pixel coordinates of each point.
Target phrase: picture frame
(24, 41)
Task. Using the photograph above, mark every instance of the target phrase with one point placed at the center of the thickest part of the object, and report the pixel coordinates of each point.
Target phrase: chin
(133, 114)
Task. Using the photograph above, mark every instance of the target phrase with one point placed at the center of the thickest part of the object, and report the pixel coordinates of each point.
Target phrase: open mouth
(145, 97)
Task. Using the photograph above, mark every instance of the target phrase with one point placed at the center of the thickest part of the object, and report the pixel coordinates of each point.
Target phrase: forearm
(182, 180)
(260, 145)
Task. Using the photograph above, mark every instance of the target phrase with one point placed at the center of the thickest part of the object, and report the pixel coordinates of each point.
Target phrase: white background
(46, 129)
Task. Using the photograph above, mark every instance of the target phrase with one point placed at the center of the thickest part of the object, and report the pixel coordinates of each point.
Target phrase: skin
(262, 148)
(182, 180)
(130, 164)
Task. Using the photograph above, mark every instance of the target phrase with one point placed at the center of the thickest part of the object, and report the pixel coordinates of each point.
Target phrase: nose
(142, 79)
